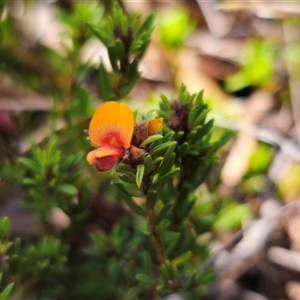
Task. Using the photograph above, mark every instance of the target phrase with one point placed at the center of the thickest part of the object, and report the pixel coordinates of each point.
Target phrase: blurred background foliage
(227, 223)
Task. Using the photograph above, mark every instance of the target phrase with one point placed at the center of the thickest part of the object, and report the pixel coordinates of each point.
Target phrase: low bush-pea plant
(155, 163)
(158, 162)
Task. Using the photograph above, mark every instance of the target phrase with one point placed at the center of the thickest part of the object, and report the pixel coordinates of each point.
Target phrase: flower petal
(155, 125)
(108, 150)
(105, 157)
(112, 124)
(91, 156)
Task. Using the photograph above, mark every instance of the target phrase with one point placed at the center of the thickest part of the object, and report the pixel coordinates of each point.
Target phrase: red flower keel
(105, 157)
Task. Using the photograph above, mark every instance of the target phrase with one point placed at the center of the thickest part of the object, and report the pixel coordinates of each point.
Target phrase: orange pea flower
(111, 129)
(155, 125)
(143, 130)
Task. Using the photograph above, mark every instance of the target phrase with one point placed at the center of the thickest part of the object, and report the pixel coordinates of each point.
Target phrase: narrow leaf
(67, 189)
(148, 163)
(5, 227)
(120, 49)
(204, 130)
(151, 198)
(181, 258)
(139, 175)
(163, 212)
(4, 295)
(165, 177)
(128, 178)
(151, 139)
(158, 149)
(144, 279)
(147, 25)
(135, 207)
(105, 86)
(30, 164)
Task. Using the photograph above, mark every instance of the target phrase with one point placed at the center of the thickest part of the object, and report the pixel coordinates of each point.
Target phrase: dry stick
(239, 235)
(217, 20)
(285, 258)
(285, 144)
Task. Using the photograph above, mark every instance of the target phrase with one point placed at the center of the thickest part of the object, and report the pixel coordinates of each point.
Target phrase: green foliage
(231, 217)
(126, 42)
(257, 69)
(148, 247)
(6, 291)
(5, 229)
(174, 26)
(52, 180)
(260, 159)
(176, 163)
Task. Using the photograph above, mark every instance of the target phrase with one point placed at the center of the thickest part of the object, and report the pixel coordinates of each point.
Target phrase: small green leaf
(139, 175)
(135, 207)
(181, 258)
(124, 168)
(199, 99)
(179, 134)
(187, 206)
(120, 49)
(173, 271)
(158, 149)
(190, 281)
(124, 25)
(5, 228)
(151, 139)
(148, 163)
(165, 104)
(157, 159)
(164, 274)
(105, 86)
(204, 130)
(184, 149)
(132, 293)
(165, 177)
(182, 92)
(113, 58)
(128, 178)
(129, 83)
(14, 264)
(4, 295)
(151, 198)
(147, 26)
(173, 243)
(192, 115)
(169, 136)
(200, 119)
(135, 22)
(166, 164)
(101, 34)
(192, 134)
(67, 189)
(146, 262)
(231, 217)
(30, 181)
(144, 279)
(163, 212)
(224, 140)
(30, 164)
